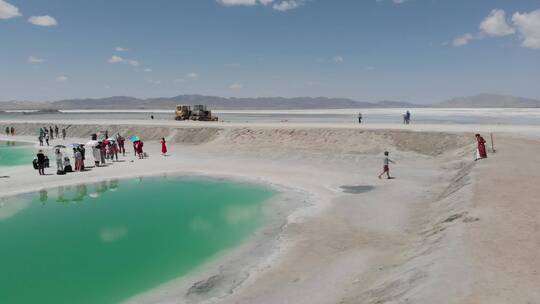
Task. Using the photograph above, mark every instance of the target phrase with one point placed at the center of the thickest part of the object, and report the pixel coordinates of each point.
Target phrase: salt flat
(427, 236)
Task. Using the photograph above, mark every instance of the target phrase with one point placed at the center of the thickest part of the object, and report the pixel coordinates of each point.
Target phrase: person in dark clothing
(12, 131)
(56, 131)
(41, 162)
(83, 151)
(51, 133)
(64, 134)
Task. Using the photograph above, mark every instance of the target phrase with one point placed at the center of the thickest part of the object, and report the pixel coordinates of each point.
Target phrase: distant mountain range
(221, 103)
(490, 101)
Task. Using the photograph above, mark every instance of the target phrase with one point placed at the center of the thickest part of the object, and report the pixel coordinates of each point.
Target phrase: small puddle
(356, 189)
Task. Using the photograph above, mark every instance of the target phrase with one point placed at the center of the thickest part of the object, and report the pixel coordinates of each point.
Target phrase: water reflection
(8, 143)
(43, 196)
(60, 196)
(75, 194)
(239, 214)
(12, 206)
(112, 234)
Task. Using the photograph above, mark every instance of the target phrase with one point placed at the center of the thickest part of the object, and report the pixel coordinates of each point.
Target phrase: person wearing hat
(41, 162)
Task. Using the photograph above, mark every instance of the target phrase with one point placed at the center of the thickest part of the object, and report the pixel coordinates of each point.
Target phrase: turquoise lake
(13, 153)
(106, 242)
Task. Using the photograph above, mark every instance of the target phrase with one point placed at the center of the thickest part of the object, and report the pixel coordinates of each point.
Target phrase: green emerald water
(106, 242)
(14, 153)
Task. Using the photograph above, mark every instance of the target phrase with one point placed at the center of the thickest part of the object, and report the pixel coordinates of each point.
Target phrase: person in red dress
(139, 147)
(481, 146)
(163, 146)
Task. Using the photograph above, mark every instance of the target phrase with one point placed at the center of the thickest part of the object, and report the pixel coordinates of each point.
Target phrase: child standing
(386, 167)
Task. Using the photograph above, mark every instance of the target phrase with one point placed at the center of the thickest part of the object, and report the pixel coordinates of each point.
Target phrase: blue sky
(410, 50)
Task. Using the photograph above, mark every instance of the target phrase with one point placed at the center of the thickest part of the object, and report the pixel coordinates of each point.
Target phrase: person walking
(56, 130)
(163, 146)
(40, 139)
(360, 118)
(386, 165)
(41, 162)
(7, 131)
(12, 131)
(51, 133)
(63, 134)
(47, 138)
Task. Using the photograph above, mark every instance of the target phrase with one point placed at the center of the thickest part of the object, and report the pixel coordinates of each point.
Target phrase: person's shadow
(356, 189)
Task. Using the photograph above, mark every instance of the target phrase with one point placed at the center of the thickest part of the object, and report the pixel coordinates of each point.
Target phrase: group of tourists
(107, 148)
(46, 134)
(103, 150)
(10, 131)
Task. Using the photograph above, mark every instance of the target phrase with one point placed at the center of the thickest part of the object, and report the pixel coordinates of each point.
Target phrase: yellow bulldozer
(198, 113)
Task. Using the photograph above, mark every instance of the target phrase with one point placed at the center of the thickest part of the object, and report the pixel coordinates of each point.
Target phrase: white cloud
(394, 1)
(237, 2)
(495, 24)
(120, 49)
(34, 59)
(115, 59)
(147, 70)
(118, 59)
(279, 5)
(42, 20)
(132, 62)
(528, 25)
(338, 59)
(61, 78)
(287, 5)
(8, 10)
(236, 86)
(463, 40)
(192, 75)
(179, 80)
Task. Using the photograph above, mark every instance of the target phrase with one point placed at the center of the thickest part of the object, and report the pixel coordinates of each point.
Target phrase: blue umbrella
(134, 138)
